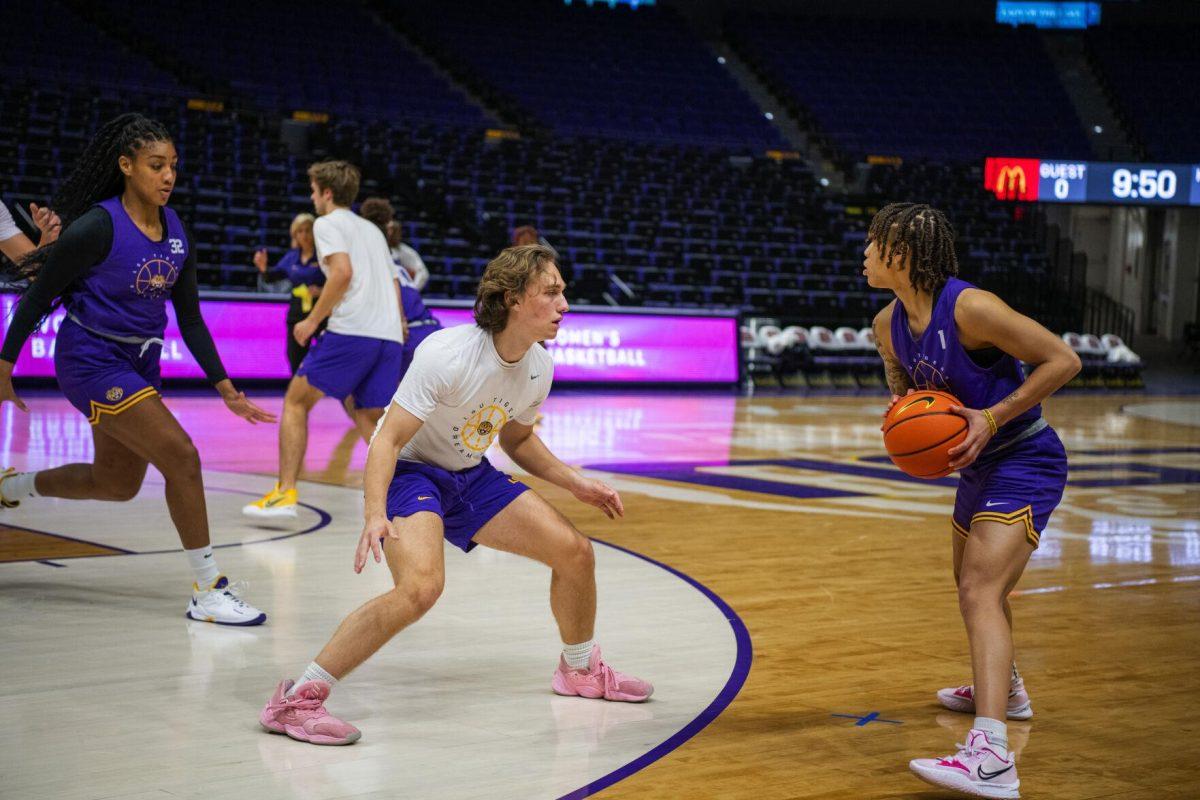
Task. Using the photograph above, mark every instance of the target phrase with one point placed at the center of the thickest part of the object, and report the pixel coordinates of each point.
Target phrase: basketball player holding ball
(942, 333)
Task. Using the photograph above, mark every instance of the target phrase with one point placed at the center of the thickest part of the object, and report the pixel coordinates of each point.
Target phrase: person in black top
(121, 255)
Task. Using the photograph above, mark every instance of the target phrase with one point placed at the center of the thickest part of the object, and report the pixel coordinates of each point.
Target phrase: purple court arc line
(741, 668)
(733, 685)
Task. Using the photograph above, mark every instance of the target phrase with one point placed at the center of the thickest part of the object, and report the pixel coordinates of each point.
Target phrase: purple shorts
(465, 500)
(341, 366)
(102, 377)
(1023, 483)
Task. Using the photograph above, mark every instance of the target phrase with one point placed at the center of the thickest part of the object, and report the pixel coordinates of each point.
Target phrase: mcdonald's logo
(1012, 178)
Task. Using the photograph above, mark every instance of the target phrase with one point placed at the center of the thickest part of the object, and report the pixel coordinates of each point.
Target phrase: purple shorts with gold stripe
(101, 377)
(1023, 483)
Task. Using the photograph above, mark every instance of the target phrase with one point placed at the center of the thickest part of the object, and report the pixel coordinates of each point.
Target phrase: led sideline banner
(590, 347)
(1051, 181)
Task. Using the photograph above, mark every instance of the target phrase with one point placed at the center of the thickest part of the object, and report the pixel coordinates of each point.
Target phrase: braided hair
(921, 232)
(96, 175)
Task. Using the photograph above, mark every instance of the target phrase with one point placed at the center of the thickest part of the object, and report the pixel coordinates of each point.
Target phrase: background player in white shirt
(360, 355)
(427, 479)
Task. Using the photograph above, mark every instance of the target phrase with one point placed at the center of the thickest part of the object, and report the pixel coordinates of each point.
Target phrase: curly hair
(920, 233)
(378, 210)
(96, 176)
(506, 278)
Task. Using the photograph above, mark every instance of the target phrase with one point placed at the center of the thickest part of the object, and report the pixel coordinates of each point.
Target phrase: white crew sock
(997, 734)
(313, 672)
(578, 655)
(204, 566)
(19, 486)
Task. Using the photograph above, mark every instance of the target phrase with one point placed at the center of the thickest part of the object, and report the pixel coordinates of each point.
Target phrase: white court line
(1112, 585)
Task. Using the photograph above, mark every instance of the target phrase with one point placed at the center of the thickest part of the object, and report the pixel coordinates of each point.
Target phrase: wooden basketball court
(786, 589)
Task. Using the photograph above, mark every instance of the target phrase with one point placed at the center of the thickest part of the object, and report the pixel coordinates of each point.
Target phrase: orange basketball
(919, 432)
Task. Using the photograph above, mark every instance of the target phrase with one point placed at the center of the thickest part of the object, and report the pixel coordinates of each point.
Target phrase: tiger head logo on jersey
(114, 394)
(154, 277)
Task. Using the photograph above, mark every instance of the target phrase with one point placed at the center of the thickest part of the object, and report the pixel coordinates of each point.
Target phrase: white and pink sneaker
(963, 699)
(976, 769)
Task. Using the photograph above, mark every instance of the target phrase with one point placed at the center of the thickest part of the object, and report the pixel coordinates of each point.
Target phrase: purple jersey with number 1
(1021, 473)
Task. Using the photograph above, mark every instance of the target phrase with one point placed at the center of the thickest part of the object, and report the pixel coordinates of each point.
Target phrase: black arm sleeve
(185, 296)
(82, 246)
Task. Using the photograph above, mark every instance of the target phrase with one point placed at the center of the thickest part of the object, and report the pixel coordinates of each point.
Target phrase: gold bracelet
(991, 421)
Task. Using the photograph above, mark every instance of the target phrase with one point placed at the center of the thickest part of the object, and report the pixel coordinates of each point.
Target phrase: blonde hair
(302, 219)
(506, 278)
(340, 177)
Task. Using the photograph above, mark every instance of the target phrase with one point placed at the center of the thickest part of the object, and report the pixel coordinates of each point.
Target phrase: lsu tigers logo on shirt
(482, 427)
(154, 277)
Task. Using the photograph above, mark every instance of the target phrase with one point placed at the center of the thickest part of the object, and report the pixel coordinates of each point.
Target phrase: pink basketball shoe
(599, 681)
(303, 716)
(976, 769)
(963, 699)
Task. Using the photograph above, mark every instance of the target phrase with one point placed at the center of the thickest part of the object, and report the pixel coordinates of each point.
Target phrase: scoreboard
(1093, 182)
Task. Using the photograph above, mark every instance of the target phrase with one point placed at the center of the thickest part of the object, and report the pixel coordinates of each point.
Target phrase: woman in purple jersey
(302, 269)
(942, 333)
(121, 255)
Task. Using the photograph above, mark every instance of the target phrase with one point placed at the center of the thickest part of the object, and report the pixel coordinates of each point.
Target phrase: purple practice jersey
(414, 306)
(937, 360)
(126, 293)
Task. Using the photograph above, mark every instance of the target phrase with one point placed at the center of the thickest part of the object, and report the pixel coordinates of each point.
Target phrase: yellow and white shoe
(274, 505)
(7, 472)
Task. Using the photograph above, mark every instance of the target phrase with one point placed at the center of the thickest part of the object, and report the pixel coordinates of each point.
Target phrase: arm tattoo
(1012, 398)
(897, 379)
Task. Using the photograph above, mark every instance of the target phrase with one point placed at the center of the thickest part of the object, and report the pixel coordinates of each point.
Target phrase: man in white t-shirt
(427, 479)
(14, 243)
(360, 355)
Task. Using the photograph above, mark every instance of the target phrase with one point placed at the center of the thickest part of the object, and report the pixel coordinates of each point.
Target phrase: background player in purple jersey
(122, 253)
(942, 333)
(300, 268)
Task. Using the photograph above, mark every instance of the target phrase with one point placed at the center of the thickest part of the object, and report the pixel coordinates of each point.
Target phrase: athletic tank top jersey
(414, 306)
(937, 360)
(126, 293)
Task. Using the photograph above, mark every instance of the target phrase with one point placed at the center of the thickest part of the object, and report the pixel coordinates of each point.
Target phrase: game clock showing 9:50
(1142, 183)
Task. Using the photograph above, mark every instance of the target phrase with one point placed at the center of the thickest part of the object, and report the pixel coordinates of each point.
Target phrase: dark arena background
(706, 173)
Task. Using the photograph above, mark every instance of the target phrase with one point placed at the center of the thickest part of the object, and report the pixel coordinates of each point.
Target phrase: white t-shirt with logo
(369, 307)
(8, 228)
(465, 393)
